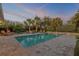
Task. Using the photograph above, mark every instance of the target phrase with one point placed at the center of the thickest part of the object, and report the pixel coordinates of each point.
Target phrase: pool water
(30, 40)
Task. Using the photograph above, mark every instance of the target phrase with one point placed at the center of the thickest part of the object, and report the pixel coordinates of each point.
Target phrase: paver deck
(60, 46)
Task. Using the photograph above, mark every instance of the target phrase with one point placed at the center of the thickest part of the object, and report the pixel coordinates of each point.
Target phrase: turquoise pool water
(33, 39)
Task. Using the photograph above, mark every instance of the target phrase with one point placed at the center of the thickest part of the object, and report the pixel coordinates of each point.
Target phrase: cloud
(25, 13)
(37, 12)
(40, 12)
(14, 13)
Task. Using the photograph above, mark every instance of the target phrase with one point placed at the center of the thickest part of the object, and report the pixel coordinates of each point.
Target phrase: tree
(28, 23)
(37, 22)
(46, 23)
(75, 21)
(56, 22)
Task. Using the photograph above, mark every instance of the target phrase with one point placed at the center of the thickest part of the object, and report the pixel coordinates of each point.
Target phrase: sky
(22, 11)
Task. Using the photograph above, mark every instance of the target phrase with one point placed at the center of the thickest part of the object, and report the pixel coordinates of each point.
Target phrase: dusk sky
(20, 12)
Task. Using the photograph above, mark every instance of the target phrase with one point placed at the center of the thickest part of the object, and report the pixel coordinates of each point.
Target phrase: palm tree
(28, 23)
(46, 23)
(56, 22)
(37, 22)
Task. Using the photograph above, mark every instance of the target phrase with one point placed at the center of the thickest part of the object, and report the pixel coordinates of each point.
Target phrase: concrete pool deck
(60, 46)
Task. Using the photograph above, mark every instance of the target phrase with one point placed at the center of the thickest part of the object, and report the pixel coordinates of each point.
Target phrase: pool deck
(59, 46)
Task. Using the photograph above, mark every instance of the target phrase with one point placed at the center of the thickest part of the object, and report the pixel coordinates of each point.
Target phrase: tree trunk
(29, 29)
(76, 28)
(36, 28)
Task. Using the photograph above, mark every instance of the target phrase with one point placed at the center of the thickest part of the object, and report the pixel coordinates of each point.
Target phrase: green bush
(18, 28)
(76, 50)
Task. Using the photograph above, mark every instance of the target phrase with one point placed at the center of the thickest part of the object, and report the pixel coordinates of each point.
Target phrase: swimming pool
(33, 39)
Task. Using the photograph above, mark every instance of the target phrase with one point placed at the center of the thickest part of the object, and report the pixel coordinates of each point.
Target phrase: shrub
(18, 28)
(76, 50)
